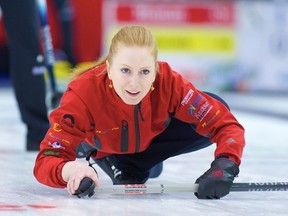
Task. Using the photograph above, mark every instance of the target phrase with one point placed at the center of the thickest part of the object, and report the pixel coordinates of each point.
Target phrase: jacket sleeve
(209, 117)
(70, 125)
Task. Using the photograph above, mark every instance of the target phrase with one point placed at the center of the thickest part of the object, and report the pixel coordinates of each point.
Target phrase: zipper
(137, 110)
(124, 136)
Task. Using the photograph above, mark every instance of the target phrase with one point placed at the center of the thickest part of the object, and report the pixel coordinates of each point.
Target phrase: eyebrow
(146, 67)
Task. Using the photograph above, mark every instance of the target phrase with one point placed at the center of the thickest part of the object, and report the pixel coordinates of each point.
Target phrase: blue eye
(145, 71)
(125, 70)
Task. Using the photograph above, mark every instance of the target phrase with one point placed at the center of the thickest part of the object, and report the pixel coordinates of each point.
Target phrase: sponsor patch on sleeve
(203, 111)
(199, 108)
(68, 120)
(187, 97)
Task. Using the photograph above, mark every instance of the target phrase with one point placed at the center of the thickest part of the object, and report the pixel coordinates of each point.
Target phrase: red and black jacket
(91, 112)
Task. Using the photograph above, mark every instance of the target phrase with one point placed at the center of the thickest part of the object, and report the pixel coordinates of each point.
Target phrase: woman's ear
(108, 69)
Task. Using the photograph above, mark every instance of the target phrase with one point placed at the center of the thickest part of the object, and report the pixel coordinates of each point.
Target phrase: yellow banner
(198, 41)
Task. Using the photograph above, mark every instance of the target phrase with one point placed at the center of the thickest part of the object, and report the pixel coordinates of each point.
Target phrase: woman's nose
(134, 80)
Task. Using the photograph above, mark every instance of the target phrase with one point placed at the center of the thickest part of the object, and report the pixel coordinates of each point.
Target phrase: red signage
(172, 13)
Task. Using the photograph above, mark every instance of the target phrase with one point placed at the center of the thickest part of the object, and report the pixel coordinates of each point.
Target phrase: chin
(131, 101)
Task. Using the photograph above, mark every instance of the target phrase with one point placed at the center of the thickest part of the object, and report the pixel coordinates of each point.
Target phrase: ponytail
(78, 71)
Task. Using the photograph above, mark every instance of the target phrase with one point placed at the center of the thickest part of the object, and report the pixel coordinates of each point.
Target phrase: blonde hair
(127, 36)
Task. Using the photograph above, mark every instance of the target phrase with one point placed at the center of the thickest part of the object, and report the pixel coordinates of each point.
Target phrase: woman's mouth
(133, 94)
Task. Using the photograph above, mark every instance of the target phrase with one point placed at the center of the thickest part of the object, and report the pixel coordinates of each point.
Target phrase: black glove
(217, 181)
(85, 188)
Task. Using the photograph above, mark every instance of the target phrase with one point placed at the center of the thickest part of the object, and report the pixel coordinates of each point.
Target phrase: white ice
(265, 159)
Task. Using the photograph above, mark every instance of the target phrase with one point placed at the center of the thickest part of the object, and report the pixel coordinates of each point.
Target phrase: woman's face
(132, 72)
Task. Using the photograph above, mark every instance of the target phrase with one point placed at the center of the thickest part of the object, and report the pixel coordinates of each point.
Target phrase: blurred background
(239, 46)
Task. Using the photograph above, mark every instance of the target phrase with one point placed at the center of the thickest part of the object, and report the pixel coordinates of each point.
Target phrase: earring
(110, 84)
(152, 87)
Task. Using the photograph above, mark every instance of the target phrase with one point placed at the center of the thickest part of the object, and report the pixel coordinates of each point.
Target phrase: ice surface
(265, 159)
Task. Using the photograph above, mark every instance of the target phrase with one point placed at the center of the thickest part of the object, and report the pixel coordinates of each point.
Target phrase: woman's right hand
(73, 173)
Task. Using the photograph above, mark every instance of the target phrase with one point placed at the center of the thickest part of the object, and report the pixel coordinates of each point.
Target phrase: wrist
(230, 157)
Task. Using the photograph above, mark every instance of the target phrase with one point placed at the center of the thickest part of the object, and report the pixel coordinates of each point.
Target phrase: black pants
(179, 138)
(65, 17)
(20, 20)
